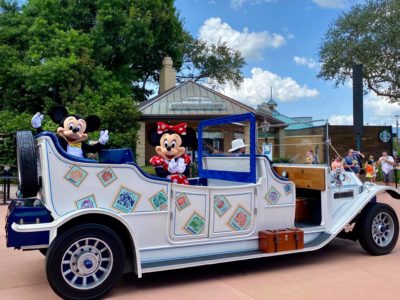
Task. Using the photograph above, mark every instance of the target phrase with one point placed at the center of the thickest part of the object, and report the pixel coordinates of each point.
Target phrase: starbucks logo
(385, 136)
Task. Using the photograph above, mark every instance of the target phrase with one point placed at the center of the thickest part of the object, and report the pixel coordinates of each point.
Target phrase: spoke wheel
(378, 230)
(85, 262)
(382, 229)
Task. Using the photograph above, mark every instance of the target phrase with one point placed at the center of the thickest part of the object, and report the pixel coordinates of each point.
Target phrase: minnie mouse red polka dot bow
(179, 128)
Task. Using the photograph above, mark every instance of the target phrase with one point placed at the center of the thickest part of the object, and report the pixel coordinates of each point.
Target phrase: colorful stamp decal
(181, 201)
(288, 188)
(272, 196)
(160, 201)
(76, 175)
(126, 200)
(87, 202)
(240, 219)
(107, 176)
(196, 224)
(221, 204)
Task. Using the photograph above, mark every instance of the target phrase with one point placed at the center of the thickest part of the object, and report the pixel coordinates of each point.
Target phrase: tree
(368, 34)
(97, 56)
(217, 62)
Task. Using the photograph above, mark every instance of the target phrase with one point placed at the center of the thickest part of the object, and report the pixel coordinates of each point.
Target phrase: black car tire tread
(27, 164)
(57, 249)
(365, 224)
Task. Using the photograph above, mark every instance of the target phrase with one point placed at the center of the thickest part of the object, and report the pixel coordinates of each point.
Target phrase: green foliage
(149, 169)
(95, 57)
(216, 62)
(368, 34)
(11, 122)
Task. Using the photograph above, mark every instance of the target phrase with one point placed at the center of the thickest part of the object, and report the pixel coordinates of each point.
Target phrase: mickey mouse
(171, 160)
(72, 133)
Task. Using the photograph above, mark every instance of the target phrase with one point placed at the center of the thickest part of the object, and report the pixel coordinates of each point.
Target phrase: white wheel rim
(382, 229)
(87, 263)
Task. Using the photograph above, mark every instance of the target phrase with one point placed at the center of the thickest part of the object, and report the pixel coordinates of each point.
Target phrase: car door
(232, 211)
(189, 214)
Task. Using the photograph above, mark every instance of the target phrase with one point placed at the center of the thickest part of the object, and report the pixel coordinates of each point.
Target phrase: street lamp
(397, 129)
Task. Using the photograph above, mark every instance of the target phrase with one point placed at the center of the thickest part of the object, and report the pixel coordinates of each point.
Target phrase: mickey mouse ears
(57, 113)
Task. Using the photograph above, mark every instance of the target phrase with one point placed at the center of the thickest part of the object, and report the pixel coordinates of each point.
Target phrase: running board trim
(148, 267)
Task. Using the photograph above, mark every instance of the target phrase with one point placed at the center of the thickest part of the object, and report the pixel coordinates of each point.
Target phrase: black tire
(27, 164)
(58, 253)
(378, 229)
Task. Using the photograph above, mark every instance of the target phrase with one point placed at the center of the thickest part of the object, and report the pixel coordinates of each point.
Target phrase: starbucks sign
(385, 136)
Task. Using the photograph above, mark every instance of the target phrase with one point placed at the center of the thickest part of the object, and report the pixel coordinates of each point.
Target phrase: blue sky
(280, 41)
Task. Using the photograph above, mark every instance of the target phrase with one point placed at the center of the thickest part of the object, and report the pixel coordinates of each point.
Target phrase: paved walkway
(342, 270)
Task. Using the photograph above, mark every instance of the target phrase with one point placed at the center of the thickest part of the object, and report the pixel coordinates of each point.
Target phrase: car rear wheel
(27, 164)
(85, 262)
(378, 229)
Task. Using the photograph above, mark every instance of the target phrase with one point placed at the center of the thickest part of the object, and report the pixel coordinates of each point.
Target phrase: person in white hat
(238, 147)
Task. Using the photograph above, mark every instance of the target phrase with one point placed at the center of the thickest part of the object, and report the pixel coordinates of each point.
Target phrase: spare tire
(27, 164)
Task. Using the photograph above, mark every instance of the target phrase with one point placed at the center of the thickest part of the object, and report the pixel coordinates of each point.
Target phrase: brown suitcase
(281, 240)
(303, 210)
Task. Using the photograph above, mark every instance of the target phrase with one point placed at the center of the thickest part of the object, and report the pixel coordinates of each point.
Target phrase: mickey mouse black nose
(75, 130)
(169, 148)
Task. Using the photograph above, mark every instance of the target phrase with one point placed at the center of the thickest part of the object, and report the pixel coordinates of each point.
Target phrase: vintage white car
(95, 220)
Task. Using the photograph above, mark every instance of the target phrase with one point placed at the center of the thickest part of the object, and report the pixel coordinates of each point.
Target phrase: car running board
(164, 265)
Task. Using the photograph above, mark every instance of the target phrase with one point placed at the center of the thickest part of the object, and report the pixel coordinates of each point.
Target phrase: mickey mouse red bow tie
(179, 128)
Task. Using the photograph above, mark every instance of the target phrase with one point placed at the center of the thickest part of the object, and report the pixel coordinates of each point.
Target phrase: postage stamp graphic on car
(221, 204)
(196, 224)
(107, 176)
(87, 202)
(181, 201)
(126, 200)
(75, 175)
(240, 219)
(272, 196)
(160, 201)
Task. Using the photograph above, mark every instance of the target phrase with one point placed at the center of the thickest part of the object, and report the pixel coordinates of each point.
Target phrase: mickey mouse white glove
(103, 139)
(37, 120)
(173, 166)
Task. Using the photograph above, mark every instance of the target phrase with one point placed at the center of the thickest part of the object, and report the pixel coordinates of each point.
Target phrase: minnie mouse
(72, 133)
(171, 161)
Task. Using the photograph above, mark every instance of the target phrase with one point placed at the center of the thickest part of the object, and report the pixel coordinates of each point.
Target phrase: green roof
(192, 99)
(290, 121)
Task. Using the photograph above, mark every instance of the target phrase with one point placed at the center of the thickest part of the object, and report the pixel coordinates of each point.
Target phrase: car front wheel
(85, 262)
(379, 229)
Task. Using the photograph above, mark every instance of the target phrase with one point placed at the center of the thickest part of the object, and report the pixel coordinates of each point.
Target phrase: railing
(6, 183)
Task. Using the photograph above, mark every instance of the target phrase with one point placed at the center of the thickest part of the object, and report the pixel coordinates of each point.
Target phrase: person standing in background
(369, 170)
(310, 157)
(337, 164)
(352, 162)
(375, 172)
(387, 164)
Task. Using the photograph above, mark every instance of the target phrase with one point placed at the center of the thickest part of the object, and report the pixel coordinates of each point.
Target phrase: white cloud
(237, 4)
(290, 36)
(250, 44)
(331, 3)
(304, 61)
(383, 112)
(341, 120)
(256, 88)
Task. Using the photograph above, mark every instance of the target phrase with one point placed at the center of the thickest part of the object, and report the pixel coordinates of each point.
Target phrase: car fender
(53, 227)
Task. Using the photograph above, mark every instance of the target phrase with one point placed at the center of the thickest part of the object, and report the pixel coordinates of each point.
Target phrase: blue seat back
(116, 156)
